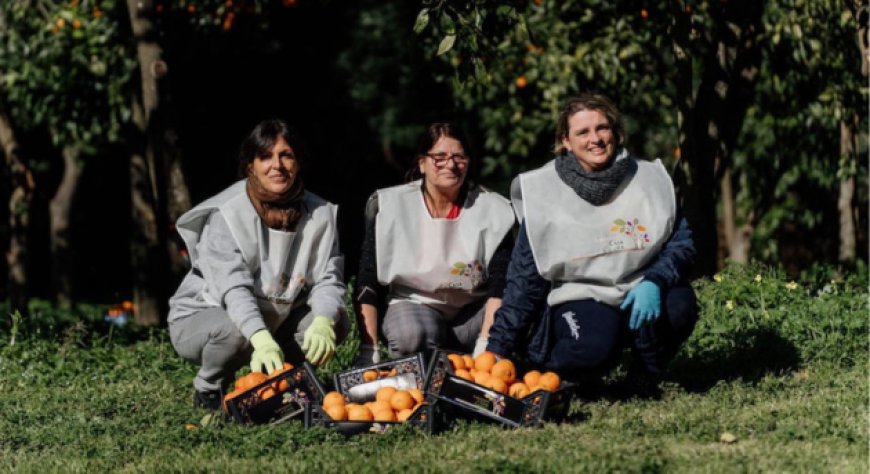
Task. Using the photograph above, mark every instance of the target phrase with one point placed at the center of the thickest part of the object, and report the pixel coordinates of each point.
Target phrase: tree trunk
(21, 186)
(694, 173)
(737, 242)
(145, 247)
(160, 194)
(59, 211)
(845, 202)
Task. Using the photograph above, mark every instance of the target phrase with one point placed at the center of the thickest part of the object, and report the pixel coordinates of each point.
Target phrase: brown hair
(588, 101)
(263, 137)
(431, 136)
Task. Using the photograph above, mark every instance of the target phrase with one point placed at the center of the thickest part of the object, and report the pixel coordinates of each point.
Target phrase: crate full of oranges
(373, 399)
(281, 395)
(489, 388)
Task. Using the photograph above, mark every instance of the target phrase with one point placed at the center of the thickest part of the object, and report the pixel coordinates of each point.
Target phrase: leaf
(422, 21)
(619, 222)
(446, 44)
(459, 265)
(728, 438)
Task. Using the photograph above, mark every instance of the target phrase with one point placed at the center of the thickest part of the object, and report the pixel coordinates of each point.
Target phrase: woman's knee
(409, 330)
(586, 336)
(682, 309)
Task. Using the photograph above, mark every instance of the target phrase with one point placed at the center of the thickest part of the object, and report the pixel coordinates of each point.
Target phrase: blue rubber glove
(646, 298)
(318, 341)
(267, 353)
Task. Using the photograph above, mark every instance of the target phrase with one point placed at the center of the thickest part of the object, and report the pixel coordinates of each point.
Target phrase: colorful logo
(630, 227)
(472, 270)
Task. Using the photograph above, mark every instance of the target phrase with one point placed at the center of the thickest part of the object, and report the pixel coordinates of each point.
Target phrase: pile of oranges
(389, 404)
(251, 380)
(501, 375)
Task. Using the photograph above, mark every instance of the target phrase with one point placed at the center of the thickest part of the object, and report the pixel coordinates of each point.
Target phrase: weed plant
(779, 366)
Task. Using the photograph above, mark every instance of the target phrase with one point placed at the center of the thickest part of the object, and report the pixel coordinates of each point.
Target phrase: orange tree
(700, 82)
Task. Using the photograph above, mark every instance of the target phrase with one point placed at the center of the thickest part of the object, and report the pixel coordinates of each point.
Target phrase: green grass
(784, 370)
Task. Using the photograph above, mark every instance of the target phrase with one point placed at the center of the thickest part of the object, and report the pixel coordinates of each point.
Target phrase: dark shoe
(638, 384)
(207, 400)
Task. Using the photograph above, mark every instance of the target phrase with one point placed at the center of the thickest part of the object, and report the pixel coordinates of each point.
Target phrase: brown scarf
(278, 211)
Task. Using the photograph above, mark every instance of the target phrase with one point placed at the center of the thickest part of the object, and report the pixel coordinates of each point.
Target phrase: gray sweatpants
(410, 328)
(210, 340)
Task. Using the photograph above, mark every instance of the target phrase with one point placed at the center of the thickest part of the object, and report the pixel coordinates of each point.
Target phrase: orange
(505, 370)
(417, 395)
(522, 82)
(282, 384)
(484, 361)
(404, 414)
(380, 406)
(482, 378)
(463, 374)
(519, 390)
(531, 378)
(370, 375)
(468, 360)
(401, 400)
(266, 393)
(456, 361)
(385, 415)
(358, 413)
(249, 381)
(333, 399)
(497, 384)
(336, 412)
(385, 393)
(550, 381)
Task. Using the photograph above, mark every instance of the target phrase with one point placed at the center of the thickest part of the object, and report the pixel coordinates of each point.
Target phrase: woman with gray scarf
(602, 257)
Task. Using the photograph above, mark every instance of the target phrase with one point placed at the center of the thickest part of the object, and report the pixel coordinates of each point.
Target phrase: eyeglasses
(440, 159)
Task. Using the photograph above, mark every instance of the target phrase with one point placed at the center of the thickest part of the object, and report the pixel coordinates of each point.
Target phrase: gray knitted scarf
(596, 187)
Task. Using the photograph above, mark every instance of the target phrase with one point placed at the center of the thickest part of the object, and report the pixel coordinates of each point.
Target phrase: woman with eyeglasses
(266, 282)
(434, 257)
(602, 257)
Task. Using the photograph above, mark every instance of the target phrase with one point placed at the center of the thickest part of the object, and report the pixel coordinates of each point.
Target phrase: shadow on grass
(754, 355)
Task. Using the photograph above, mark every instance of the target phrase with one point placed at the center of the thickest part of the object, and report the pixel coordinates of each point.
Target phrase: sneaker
(637, 385)
(207, 400)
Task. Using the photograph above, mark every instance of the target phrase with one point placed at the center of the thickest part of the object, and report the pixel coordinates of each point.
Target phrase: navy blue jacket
(524, 302)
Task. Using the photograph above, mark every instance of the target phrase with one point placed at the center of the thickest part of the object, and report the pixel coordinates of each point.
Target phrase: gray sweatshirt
(220, 267)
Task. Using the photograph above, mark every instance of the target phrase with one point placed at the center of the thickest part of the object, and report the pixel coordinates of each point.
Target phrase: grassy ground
(782, 368)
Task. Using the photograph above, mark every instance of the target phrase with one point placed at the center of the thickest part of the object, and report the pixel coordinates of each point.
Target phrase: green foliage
(784, 372)
(66, 65)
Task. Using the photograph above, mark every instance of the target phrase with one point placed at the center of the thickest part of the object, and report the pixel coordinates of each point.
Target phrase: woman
(602, 256)
(266, 277)
(435, 251)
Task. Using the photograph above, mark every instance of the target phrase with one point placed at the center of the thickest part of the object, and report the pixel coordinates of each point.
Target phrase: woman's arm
(675, 260)
(227, 276)
(327, 294)
(524, 295)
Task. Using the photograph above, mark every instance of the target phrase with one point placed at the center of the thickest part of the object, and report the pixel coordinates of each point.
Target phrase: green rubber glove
(267, 354)
(318, 342)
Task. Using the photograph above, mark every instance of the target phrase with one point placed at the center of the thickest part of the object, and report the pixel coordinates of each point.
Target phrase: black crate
(413, 365)
(423, 418)
(466, 398)
(302, 389)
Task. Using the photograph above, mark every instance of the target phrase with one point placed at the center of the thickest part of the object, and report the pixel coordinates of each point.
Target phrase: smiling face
(590, 138)
(449, 174)
(277, 169)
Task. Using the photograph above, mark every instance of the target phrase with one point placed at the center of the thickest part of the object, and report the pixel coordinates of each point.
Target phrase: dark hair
(263, 137)
(588, 101)
(431, 136)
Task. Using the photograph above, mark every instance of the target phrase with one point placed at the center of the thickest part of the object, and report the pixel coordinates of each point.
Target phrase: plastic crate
(468, 399)
(302, 388)
(411, 370)
(422, 418)
(412, 365)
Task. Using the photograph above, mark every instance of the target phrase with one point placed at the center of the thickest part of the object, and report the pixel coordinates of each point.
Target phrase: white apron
(597, 252)
(283, 264)
(438, 262)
